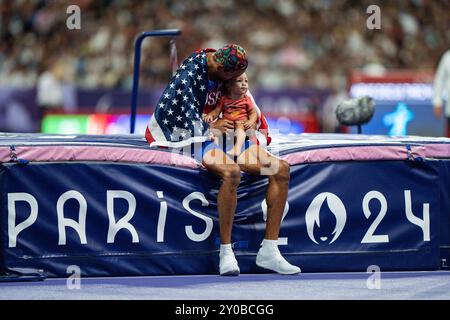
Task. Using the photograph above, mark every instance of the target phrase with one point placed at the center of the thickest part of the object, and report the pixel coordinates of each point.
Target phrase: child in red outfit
(236, 106)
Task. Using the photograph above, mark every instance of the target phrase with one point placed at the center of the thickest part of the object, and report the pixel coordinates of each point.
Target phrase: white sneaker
(273, 260)
(228, 265)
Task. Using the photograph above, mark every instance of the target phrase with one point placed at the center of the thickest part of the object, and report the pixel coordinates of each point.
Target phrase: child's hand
(209, 118)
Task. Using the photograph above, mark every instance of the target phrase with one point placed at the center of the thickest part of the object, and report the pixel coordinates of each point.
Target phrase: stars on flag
(181, 100)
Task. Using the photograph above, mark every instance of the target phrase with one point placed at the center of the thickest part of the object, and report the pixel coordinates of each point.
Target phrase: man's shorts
(227, 144)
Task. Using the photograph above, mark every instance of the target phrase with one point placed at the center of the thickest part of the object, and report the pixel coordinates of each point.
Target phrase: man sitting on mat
(177, 122)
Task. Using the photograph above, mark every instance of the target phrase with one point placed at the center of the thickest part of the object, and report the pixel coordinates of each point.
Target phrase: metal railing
(137, 63)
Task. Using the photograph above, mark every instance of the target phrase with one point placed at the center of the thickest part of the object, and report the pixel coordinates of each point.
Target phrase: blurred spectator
(49, 91)
(441, 86)
(290, 43)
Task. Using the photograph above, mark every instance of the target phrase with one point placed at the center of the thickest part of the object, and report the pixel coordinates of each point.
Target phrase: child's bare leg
(239, 132)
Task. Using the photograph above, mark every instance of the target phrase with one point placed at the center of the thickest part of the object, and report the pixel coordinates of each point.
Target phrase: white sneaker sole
(261, 265)
(232, 272)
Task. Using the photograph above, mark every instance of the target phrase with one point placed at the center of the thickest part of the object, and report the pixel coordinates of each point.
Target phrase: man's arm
(254, 104)
(221, 126)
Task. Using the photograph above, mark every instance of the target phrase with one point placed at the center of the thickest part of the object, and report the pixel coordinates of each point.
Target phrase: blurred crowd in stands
(290, 43)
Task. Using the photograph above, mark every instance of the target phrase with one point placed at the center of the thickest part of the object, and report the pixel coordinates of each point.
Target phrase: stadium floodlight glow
(137, 62)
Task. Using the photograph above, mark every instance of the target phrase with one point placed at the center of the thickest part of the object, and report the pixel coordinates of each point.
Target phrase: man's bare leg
(218, 163)
(257, 161)
(239, 132)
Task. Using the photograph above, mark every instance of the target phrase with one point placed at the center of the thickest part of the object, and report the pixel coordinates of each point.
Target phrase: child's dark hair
(227, 85)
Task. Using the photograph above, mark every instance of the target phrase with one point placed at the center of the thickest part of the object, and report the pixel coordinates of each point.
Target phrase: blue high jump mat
(114, 206)
(21, 275)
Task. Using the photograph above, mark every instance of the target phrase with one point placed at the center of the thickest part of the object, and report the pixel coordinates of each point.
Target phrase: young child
(236, 106)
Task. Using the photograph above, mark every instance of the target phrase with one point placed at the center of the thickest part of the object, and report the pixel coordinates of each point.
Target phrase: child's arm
(252, 119)
(213, 115)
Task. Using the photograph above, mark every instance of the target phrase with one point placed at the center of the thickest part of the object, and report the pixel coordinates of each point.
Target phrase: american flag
(177, 120)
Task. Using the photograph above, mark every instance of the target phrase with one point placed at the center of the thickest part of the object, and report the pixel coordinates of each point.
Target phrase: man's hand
(437, 110)
(249, 124)
(222, 125)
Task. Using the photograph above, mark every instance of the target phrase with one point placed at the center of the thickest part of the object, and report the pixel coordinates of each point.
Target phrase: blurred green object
(65, 124)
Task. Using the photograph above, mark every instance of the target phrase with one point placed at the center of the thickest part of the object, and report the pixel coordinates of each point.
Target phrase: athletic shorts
(210, 145)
